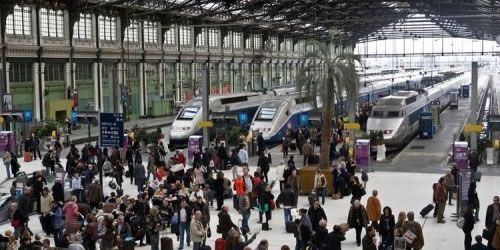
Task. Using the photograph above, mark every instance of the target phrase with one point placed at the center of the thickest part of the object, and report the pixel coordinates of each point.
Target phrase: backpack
(322, 181)
(364, 176)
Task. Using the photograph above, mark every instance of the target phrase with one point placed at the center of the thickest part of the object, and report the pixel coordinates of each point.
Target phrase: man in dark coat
(260, 144)
(316, 214)
(335, 238)
(492, 213)
(24, 205)
(263, 163)
(225, 222)
(140, 176)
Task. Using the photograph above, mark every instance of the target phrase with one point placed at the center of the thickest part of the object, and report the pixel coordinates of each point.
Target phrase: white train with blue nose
(397, 115)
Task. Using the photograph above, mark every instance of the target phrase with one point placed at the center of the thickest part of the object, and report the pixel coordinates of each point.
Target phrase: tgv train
(398, 115)
(191, 114)
(275, 116)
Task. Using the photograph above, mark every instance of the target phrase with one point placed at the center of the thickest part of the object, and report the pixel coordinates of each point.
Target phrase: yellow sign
(205, 124)
(470, 127)
(1, 119)
(351, 125)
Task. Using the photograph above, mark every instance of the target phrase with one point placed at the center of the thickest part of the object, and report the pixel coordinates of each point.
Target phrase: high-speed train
(188, 118)
(398, 115)
(276, 115)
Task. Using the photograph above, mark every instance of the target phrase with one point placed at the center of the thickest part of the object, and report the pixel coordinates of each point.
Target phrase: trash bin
(425, 126)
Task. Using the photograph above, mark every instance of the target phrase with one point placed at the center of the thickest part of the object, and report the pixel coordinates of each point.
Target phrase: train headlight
(386, 132)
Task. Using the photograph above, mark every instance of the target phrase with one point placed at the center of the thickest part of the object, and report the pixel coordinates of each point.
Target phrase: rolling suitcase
(220, 244)
(289, 226)
(28, 156)
(129, 244)
(166, 243)
(427, 209)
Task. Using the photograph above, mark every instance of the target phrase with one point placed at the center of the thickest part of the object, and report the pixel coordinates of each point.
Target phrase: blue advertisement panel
(28, 116)
(243, 118)
(111, 129)
(304, 119)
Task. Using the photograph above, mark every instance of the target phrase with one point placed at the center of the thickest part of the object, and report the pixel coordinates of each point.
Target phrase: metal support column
(474, 104)
(205, 106)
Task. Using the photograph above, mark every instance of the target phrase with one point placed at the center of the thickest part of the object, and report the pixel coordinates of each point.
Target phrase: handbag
(209, 232)
(409, 236)
(218, 229)
(272, 204)
(486, 234)
(460, 222)
(15, 223)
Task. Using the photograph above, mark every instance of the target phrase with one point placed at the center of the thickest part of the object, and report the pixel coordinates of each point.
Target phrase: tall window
(289, 45)
(227, 41)
(213, 37)
(20, 72)
(201, 38)
(185, 35)
(170, 36)
(248, 43)
(51, 23)
(19, 23)
(273, 45)
(150, 32)
(107, 28)
(83, 28)
(132, 32)
(257, 41)
(237, 37)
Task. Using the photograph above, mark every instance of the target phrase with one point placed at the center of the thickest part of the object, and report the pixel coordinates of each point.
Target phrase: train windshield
(266, 114)
(188, 113)
(387, 114)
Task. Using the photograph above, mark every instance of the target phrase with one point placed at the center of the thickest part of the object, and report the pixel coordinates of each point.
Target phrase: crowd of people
(175, 198)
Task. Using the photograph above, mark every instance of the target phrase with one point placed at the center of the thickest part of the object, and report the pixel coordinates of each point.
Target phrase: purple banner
(460, 155)
(194, 143)
(7, 141)
(363, 153)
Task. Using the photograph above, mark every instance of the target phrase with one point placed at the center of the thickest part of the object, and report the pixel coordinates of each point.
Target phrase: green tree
(331, 65)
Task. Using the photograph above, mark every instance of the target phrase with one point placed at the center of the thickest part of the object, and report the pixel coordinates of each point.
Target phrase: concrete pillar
(36, 92)
(67, 78)
(161, 80)
(221, 77)
(101, 99)
(42, 93)
(473, 103)
(95, 68)
(7, 78)
(178, 82)
(121, 86)
(142, 83)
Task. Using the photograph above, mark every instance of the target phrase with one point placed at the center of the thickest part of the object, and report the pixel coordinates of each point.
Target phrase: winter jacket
(287, 198)
(468, 221)
(46, 203)
(316, 215)
(367, 243)
(373, 208)
(307, 149)
(94, 193)
(334, 241)
(416, 228)
(196, 230)
(225, 223)
(139, 172)
(440, 193)
(357, 217)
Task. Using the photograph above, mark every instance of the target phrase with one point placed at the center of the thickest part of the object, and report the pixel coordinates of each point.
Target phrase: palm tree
(330, 66)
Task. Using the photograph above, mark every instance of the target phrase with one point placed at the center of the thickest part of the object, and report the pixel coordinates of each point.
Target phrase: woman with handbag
(266, 201)
(357, 219)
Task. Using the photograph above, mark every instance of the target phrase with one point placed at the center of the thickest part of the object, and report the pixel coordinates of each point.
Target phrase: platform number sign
(111, 129)
(28, 116)
(243, 118)
(304, 119)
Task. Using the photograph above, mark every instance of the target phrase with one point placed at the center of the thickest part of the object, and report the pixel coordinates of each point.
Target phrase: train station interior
(403, 93)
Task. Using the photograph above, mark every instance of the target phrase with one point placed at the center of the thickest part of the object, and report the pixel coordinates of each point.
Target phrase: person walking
(35, 146)
(320, 185)
(307, 151)
(473, 200)
(357, 219)
(468, 226)
(294, 182)
(386, 228)
(374, 209)
(449, 181)
(151, 165)
(139, 176)
(335, 238)
(266, 198)
(264, 164)
(370, 239)
(280, 172)
(218, 187)
(440, 198)
(7, 157)
(316, 214)
(184, 224)
(492, 214)
(225, 223)
(287, 199)
(198, 233)
(357, 189)
(234, 161)
(416, 229)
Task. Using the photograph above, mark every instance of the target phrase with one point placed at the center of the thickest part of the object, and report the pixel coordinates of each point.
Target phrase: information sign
(460, 155)
(363, 153)
(28, 116)
(243, 118)
(111, 129)
(304, 119)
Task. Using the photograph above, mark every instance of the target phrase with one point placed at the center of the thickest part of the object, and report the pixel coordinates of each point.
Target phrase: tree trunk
(326, 128)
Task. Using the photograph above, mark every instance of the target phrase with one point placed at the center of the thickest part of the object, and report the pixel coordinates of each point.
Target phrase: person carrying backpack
(320, 185)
